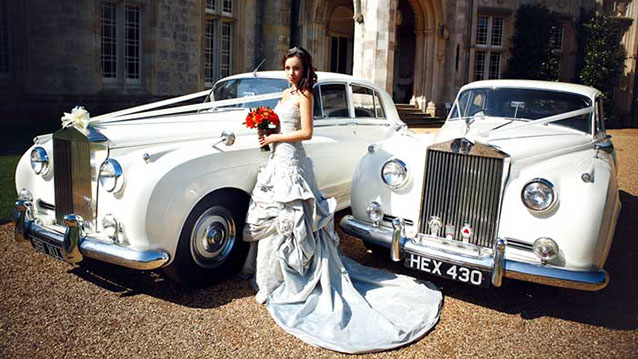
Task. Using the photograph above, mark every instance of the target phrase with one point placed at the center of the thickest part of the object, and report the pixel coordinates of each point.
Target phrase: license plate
(47, 248)
(447, 270)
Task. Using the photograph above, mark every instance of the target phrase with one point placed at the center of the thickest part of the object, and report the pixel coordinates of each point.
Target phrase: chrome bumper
(74, 246)
(399, 243)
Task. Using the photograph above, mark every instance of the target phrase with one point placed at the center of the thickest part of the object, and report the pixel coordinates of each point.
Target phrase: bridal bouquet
(265, 120)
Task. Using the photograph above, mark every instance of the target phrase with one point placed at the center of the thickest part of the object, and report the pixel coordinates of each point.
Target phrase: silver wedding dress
(310, 288)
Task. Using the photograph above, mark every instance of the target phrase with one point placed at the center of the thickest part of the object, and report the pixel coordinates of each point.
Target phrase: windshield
(242, 87)
(523, 104)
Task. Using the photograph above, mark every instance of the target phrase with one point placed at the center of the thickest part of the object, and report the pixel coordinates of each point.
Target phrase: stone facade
(421, 51)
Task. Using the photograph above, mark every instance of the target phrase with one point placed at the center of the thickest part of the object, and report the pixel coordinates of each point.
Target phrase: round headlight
(375, 213)
(539, 195)
(545, 248)
(39, 160)
(111, 175)
(394, 173)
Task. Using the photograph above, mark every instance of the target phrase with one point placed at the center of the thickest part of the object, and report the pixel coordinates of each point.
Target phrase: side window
(318, 114)
(599, 119)
(378, 106)
(335, 102)
(363, 101)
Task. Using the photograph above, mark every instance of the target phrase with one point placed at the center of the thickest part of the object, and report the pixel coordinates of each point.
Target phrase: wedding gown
(310, 288)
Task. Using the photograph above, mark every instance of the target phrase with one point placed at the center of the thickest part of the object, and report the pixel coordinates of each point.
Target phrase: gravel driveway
(49, 309)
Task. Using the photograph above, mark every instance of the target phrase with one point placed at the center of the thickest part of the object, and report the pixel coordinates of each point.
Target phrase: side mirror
(604, 145)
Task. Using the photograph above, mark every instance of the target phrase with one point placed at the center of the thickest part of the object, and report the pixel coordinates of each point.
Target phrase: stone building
(109, 54)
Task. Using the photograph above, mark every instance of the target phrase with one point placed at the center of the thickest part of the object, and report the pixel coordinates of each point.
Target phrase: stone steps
(414, 117)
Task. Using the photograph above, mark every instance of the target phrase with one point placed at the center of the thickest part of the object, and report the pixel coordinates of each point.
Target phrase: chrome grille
(72, 175)
(463, 185)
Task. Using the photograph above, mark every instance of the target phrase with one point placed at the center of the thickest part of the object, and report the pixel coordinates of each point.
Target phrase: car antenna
(258, 66)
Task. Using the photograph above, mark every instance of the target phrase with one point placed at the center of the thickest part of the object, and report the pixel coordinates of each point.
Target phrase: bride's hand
(265, 140)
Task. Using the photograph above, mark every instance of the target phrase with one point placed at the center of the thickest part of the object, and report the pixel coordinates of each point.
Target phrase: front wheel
(210, 246)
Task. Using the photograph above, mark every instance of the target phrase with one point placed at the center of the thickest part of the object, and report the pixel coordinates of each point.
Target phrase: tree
(601, 56)
(532, 57)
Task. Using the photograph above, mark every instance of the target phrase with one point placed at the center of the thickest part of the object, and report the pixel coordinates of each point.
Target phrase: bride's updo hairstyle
(309, 77)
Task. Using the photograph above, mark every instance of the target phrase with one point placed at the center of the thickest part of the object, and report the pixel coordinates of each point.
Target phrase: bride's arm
(306, 103)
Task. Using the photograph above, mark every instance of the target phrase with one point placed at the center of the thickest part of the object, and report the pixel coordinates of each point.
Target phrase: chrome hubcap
(213, 237)
(215, 234)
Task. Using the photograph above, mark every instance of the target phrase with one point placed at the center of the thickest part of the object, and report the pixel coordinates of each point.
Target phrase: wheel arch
(166, 219)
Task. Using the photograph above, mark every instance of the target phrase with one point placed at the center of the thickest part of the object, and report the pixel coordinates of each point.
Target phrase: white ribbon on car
(485, 136)
(143, 111)
(78, 118)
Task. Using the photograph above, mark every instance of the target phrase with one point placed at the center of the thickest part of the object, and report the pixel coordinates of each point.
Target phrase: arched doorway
(404, 54)
(322, 23)
(340, 30)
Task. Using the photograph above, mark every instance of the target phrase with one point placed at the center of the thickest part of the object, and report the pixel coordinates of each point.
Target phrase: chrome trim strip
(45, 205)
(74, 245)
(581, 280)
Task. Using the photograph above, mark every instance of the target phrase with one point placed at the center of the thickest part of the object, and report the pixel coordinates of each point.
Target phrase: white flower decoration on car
(78, 118)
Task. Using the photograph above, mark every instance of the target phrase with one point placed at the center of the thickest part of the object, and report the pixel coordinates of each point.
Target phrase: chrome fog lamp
(539, 195)
(375, 213)
(111, 175)
(39, 160)
(394, 173)
(111, 227)
(545, 248)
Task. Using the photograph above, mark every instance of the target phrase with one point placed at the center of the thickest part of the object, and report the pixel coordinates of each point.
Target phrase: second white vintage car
(155, 187)
(519, 183)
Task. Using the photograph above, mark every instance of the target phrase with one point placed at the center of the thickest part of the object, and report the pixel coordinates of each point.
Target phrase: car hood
(172, 128)
(519, 143)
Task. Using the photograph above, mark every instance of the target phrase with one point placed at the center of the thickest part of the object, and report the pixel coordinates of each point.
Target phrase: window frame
(375, 96)
(6, 76)
(488, 49)
(121, 79)
(348, 101)
(218, 18)
(599, 117)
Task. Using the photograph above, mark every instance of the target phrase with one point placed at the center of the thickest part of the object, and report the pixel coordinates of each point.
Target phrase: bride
(310, 288)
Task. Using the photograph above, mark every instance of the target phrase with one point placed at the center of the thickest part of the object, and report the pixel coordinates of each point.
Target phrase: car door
(371, 124)
(333, 147)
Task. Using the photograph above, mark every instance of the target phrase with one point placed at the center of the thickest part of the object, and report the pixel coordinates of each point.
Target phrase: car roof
(321, 76)
(534, 84)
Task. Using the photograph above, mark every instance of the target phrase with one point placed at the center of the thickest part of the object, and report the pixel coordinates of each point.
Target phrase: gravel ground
(49, 309)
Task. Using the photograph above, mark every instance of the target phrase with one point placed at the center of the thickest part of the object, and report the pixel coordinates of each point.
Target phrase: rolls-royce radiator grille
(463, 187)
(72, 175)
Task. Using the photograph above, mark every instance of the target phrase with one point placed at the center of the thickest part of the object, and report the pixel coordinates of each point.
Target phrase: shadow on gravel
(614, 307)
(129, 282)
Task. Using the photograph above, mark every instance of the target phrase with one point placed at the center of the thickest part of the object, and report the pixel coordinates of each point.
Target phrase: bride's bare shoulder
(285, 94)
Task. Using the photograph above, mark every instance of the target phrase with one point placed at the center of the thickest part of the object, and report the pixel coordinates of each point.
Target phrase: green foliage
(532, 57)
(7, 186)
(600, 54)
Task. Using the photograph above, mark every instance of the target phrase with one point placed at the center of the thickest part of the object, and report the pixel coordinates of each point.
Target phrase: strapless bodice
(290, 121)
(289, 115)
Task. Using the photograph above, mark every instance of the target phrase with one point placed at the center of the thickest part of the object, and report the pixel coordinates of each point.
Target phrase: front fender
(368, 186)
(581, 220)
(158, 195)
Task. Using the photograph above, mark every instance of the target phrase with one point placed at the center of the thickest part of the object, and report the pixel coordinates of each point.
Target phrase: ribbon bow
(78, 118)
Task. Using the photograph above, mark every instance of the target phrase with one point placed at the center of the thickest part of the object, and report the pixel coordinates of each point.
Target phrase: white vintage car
(155, 187)
(519, 183)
